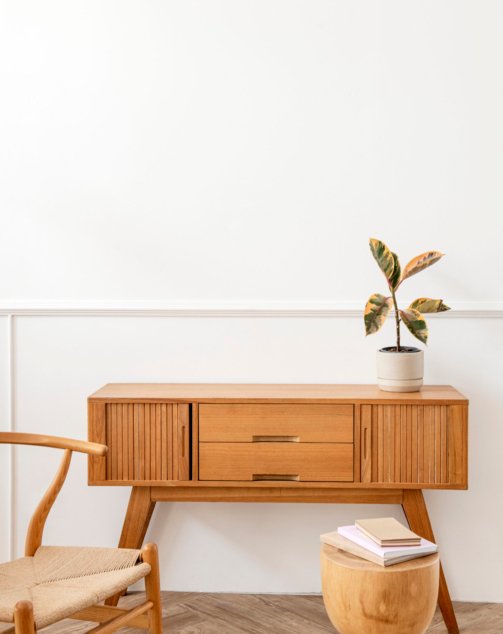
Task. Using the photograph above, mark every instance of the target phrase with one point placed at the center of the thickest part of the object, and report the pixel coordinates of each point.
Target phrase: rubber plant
(379, 306)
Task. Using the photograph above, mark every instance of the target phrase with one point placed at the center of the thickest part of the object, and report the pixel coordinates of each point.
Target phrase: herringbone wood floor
(201, 613)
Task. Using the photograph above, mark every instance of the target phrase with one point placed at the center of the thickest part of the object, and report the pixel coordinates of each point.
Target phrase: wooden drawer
(304, 462)
(275, 422)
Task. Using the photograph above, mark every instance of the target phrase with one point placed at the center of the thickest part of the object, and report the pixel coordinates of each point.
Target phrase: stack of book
(383, 541)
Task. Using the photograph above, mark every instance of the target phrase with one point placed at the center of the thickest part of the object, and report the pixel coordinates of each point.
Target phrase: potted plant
(400, 368)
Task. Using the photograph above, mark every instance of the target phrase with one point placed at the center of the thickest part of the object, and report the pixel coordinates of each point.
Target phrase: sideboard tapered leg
(416, 513)
(138, 515)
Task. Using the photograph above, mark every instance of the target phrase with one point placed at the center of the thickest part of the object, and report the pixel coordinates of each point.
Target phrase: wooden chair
(52, 583)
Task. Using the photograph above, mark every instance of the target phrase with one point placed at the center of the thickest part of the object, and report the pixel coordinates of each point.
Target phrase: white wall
(228, 151)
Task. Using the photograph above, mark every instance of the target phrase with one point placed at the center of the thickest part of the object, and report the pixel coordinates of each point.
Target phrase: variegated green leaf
(421, 262)
(395, 278)
(384, 258)
(427, 305)
(376, 311)
(416, 323)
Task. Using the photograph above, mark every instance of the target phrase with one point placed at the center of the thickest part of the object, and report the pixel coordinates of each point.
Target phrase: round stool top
(342, 558)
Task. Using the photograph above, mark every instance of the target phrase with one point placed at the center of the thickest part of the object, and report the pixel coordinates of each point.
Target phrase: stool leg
(416, 513)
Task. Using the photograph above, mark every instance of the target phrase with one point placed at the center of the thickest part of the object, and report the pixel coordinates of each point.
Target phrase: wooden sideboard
(279, 443)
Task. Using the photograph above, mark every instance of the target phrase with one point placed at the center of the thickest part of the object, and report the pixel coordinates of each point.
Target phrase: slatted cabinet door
(414, 445)
(147, 442)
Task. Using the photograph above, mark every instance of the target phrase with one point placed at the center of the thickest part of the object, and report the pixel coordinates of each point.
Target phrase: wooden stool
(364, 598)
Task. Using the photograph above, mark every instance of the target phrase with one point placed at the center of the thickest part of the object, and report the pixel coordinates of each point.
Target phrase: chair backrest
(37, 522)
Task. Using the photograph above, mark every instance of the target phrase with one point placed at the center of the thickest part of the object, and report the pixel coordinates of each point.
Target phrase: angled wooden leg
(416, 513)
(23, 618)
(153, 587)
(138, 514)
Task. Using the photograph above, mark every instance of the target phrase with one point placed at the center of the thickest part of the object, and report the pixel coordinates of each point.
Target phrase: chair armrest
(19, 438)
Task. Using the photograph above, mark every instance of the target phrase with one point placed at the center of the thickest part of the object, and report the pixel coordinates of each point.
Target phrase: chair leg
(23, 618)
(153, 587)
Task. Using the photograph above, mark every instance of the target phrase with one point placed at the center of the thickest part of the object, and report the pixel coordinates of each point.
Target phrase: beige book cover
(337, 540)
(388, 531)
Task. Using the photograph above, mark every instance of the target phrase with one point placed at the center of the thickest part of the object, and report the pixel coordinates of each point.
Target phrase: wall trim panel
(10, 426)
(29, 321)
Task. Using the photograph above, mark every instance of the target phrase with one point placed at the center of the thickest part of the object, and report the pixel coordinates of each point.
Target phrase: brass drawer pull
(275, 439)
(275, 477)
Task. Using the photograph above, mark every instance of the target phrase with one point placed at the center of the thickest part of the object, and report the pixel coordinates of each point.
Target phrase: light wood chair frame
(147, 615)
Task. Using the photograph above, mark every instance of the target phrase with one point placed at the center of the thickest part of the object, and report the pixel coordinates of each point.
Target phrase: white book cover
(386, 552)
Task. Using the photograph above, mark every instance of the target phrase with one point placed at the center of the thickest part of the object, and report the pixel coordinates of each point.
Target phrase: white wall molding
(11, 427)
(63, 359)
(37, 307)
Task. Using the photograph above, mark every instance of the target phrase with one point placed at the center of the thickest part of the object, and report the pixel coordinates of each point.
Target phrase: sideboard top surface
(282, 393)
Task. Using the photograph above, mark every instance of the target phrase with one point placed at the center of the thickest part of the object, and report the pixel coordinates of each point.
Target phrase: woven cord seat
(60, 581)
(56, 582)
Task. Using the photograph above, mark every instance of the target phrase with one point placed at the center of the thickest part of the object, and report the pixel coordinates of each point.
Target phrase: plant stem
(397, 319)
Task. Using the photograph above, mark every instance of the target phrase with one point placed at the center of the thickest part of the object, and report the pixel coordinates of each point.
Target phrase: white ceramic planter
(400, 371)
